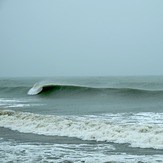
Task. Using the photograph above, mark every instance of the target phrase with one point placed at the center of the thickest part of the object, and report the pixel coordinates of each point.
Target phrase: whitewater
(84, 119)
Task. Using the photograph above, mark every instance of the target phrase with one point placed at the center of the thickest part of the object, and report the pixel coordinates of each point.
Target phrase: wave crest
(68, 89)
(44, 86)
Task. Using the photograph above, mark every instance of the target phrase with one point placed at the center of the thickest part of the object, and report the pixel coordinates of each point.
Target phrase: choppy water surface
(90, 119)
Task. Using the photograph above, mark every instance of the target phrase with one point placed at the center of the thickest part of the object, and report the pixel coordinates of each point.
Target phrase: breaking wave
(47, 88)
(51, 88)
(144, 130)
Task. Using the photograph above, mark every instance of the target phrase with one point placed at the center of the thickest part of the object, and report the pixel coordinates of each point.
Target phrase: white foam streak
(23, 152)
(14, 103)
(144, 135)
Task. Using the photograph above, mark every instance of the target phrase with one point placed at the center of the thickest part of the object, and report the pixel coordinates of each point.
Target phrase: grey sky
(81, 37)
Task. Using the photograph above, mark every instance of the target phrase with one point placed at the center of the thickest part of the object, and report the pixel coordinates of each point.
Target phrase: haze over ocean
(81, 81)
(81, 38)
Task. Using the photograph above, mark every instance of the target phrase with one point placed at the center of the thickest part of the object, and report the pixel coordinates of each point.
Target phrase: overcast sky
(81, 37)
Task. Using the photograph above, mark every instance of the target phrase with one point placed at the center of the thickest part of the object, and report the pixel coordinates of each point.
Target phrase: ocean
(81, 119)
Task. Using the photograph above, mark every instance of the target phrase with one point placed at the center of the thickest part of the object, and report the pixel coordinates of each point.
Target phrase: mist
(81, 38)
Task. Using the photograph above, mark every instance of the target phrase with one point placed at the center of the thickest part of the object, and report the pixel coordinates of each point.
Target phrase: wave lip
(35, 90)
(39, 87)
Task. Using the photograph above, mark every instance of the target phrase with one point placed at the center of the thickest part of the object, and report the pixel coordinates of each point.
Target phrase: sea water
(81, 119)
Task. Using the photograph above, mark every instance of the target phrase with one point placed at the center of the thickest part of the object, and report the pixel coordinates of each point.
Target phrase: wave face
(143, 130)
(46, 88)
(49, 87)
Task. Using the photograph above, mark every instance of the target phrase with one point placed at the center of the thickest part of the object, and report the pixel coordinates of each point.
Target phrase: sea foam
(88, 153)
(115, 128)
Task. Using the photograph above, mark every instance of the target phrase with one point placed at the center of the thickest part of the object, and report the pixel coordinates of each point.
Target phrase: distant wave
(43, 87)
(144, 130)
(48, 88)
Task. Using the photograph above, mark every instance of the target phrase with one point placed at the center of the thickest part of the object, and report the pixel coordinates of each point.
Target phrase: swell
(51, 89)
(18, 90)
(54, 89)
